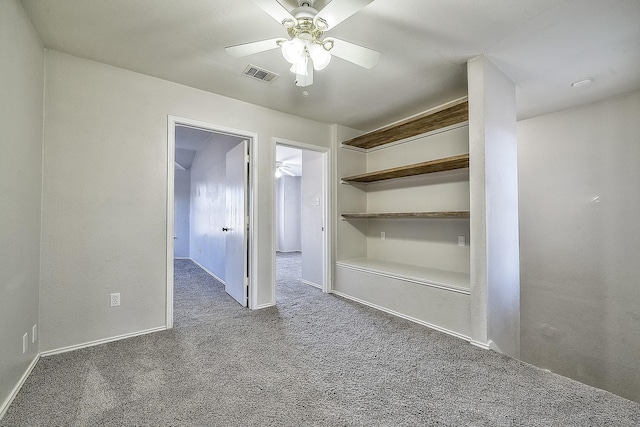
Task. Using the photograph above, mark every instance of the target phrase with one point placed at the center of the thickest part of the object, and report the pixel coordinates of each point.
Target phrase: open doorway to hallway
(301, 216)
(209, 211)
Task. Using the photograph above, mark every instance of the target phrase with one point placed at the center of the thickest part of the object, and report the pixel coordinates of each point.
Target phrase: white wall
(105, 185)
(22, 90)
(288, 200)
(182, 209)
(579, 182)
(208, 203)
(312, 212)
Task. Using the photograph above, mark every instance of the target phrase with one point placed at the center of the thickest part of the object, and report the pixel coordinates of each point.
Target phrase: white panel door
(236, 225)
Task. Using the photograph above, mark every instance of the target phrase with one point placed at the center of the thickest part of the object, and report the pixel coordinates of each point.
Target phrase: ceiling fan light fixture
(320, 56)
(300, 67)
(321, 24)
(289, 23)
(292, 50)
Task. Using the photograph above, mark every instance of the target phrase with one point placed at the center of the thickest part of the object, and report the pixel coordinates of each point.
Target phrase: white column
(493, 174)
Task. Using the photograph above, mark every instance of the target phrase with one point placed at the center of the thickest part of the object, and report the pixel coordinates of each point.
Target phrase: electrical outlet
(25, 343)
(115, 299)
(383, 235)
(34, 333)
(461, 241)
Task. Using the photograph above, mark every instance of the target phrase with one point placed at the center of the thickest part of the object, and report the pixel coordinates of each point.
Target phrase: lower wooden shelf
(401, 215)
(443, 279)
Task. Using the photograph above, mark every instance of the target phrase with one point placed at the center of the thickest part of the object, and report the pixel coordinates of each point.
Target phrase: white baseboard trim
(315, 285)
(207, 271)
(101, 341)
(181, 257)
(269, 304)
(403, 316)
(482, 345)
(7, 402)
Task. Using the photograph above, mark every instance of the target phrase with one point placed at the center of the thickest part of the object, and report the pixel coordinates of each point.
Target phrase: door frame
(327, 203)
(250, 189)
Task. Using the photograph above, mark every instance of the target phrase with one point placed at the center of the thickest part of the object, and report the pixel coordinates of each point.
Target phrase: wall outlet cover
(115, 299)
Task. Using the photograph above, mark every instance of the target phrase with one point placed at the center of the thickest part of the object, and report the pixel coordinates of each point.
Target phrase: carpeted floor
(314, 360)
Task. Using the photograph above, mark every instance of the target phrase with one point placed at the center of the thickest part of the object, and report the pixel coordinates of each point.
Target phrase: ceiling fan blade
(240, 50)
(286, 171)
(276, 10)
(351, 52)
(339, 10)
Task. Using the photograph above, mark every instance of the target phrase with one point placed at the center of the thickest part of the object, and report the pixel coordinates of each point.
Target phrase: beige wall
(105, 181)
(21, 89)
(579, 174)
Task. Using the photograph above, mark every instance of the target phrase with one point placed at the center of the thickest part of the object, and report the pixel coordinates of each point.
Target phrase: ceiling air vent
(259, 73)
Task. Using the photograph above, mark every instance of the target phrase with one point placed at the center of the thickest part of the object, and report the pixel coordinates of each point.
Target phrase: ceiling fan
(306, 49)
(282, 168)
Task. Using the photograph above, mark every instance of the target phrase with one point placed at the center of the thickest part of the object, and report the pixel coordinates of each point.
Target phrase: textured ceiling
(543, 45)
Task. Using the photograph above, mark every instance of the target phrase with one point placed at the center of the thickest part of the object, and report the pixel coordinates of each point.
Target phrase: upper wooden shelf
(444, 116)
(439, 165)
(405, 215)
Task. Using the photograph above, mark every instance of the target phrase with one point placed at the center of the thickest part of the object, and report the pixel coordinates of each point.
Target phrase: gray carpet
(315, 360)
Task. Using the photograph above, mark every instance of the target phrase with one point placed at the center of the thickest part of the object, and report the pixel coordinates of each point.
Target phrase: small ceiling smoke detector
(259, 73)
(582, 82)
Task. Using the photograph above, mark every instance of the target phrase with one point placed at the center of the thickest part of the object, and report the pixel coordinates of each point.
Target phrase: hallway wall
(288, 225)
(312, 213)
(208, 204)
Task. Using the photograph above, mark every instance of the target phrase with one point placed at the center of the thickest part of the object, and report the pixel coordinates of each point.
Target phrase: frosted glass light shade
(320, 56)
(300, 67)
(292, 50)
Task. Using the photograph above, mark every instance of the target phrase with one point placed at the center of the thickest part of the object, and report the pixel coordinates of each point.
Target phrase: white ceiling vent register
(259, 73)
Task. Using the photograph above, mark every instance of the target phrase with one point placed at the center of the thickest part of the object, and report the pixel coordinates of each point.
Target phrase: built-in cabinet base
(446, 310)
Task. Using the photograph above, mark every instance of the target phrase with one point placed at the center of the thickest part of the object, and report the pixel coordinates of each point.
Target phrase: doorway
(210, 205)
(301, 212)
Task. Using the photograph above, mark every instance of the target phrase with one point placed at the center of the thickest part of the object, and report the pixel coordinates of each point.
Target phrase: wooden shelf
(405, 215)
(448, 115)
(443, 279)
(439, 165)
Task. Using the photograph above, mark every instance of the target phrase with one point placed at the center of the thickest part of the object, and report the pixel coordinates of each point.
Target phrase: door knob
(225, 229)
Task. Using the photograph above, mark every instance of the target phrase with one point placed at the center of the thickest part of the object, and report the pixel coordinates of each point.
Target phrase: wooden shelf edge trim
(440, 117)
(404, 215)
(432, 166)
(416, 280)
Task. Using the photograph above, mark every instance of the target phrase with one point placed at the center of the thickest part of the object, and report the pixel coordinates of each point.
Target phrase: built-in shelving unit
(417, 267)
(450, 114)
(405, 215)
(395, 249)
(432, 166)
